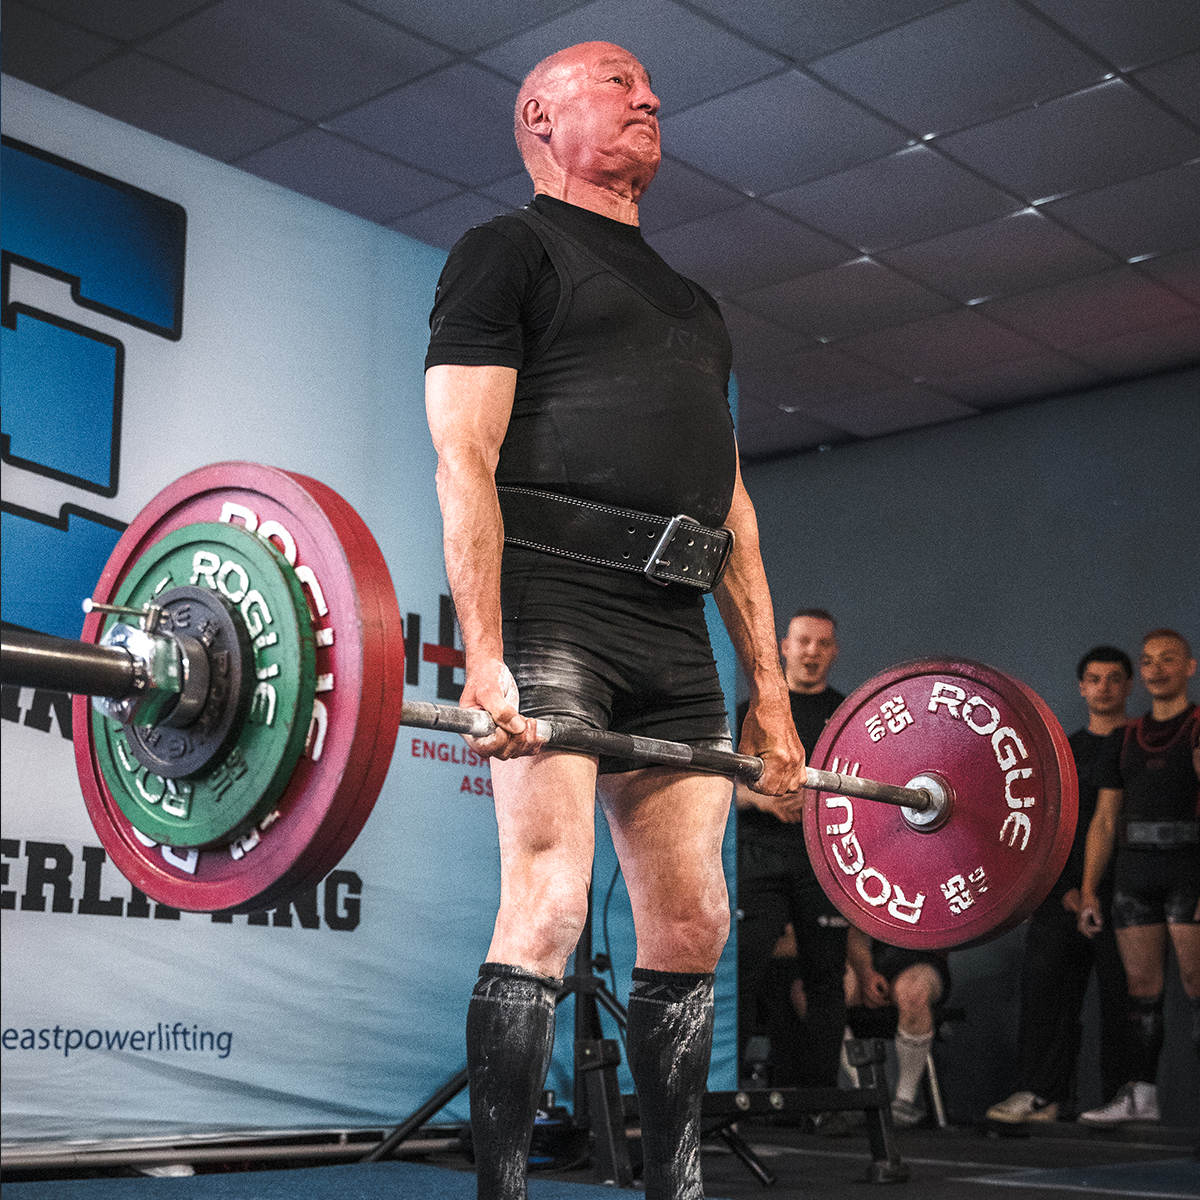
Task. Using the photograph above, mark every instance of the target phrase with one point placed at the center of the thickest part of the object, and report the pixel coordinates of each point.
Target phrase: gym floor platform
(1045, 1162)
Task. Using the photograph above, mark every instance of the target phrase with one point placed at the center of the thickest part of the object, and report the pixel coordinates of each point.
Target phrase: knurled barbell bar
(243, 723)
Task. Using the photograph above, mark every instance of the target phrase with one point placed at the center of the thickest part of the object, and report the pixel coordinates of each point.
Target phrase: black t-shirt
(622, 364)
(1096, 758)
(810, 714)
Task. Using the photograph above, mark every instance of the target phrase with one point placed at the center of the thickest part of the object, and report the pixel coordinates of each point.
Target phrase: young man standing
(1058, 958)
(1147, 809)
(777, 885)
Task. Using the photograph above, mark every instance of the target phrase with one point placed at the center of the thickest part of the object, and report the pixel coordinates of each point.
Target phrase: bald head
(587, 128)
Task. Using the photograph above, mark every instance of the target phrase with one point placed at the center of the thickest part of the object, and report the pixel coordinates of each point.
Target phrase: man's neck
(572, 190)
(1164, 710)
(804, 688)
(1102, 724)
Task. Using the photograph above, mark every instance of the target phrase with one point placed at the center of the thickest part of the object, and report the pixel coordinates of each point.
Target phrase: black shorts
(1156, 887)
(612, 651)
(889, 961)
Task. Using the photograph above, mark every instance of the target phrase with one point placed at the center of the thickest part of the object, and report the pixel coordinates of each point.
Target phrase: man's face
(1105, 688)
(1166, 668)
(809, 650)
(605, 123)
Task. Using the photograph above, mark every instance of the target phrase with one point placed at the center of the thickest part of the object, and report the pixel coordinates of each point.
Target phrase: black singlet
(1156, 770)
(623, 365)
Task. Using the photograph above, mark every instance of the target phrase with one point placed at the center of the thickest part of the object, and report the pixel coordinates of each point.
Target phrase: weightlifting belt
(664, 549)
(1162, 834)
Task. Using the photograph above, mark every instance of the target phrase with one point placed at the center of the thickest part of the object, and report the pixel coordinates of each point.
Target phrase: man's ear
(535, 118)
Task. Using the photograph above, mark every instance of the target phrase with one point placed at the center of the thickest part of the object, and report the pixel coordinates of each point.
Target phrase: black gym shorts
(611, 650)
(1156, 887)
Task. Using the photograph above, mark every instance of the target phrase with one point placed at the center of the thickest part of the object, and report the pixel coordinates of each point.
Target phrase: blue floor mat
(358, 1181)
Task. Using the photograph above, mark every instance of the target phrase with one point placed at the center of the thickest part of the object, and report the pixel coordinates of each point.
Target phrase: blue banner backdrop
(163, 311)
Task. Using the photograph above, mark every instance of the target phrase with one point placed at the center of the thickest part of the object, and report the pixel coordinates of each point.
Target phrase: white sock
(851, 1072)
(912, 1050)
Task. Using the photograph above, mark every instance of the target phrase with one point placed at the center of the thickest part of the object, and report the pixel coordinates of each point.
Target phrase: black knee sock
(510, 1033)
(670, 1042)
(1194, 1006)
(1146, 1042)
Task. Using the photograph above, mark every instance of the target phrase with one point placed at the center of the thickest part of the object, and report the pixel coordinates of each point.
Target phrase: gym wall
(1019, 538)
(219, 317)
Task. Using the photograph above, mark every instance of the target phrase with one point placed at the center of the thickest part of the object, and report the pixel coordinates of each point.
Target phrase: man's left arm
(745, 605)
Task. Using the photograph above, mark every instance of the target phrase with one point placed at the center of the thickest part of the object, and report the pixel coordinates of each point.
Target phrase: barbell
(239, 690)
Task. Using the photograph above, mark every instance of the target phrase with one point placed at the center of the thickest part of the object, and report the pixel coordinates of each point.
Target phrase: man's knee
(549, 921)
(915, 991)
(688, 939)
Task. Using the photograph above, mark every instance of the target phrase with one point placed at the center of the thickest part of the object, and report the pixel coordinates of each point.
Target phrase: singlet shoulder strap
(545, 232)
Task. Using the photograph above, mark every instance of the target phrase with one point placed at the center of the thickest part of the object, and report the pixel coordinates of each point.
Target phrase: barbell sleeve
(41, 660)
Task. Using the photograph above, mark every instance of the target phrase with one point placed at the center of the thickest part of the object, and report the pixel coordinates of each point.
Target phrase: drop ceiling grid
(894, 220)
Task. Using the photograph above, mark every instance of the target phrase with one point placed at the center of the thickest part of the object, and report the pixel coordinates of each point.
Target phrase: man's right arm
(468, 408)
(1101, 836)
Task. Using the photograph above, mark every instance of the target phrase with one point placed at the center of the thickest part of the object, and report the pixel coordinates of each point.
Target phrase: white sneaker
(1021, 1107)
(1134, 1102)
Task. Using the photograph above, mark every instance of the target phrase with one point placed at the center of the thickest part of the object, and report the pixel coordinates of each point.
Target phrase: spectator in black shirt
(790, 935)
(1058, 958)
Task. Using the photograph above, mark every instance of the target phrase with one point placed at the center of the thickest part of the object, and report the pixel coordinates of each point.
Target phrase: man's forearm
(1098, 849)
(473, 539)
(744, 601)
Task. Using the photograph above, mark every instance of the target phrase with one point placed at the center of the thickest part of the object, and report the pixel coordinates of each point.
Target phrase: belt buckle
(650, 570)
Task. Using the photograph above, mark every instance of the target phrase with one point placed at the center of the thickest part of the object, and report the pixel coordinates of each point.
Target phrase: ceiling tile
(1146, 351)
(1152, 215)
(1180, 272)
(677, 47)
(680, 194)
(442, 224)
(44, 51)
(514, 190)
(329, 168)
(904, 197)
(1176, 83)
(964, 64)
(777, 133)
(125, 20)
(745, 247)
(1108, 305)
(1093, 138)
(847, 300)
(905, 406)
(468, 135)
(1131, 34)
(809, 378)
(951, 343)
(1014, 254)
(802, 31)
(769, 434)
(310, 57)
(158, 98)
(1003, 383)
(467, 24)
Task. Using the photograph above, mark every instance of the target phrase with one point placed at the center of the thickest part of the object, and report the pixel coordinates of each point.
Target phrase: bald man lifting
(577, 394)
